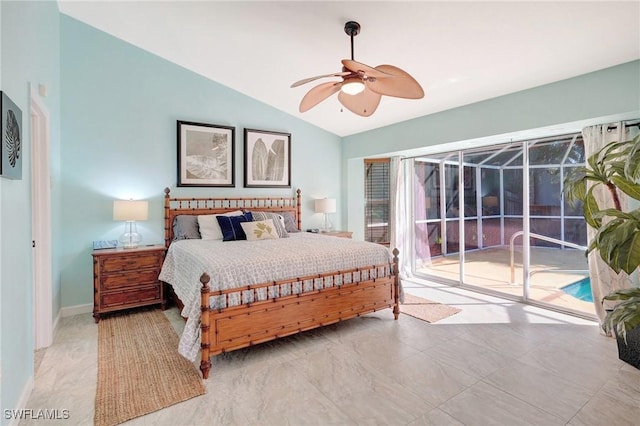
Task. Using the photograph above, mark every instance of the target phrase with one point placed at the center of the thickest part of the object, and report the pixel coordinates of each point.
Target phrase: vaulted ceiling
(460, 52)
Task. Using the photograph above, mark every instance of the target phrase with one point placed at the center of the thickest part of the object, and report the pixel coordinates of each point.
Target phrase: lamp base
(326, 225)
(130, 239)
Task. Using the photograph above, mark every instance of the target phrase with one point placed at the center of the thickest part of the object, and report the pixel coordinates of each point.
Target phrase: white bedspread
(232, 264)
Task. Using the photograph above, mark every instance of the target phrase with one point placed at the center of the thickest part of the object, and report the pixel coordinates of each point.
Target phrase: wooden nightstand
(343, 234)
(127, 278)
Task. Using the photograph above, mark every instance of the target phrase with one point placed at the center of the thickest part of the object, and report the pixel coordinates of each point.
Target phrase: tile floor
(495, 363)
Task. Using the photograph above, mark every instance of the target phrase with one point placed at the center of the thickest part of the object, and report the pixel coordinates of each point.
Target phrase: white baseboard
(22, 402)
(54, 327)
(70, 311)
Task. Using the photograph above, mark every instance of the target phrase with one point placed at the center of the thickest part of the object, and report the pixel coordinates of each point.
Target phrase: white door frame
(41, 223)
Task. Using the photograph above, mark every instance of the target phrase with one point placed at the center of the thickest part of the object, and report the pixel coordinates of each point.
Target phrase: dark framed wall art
(267, 159)
(11, 148)
(206, 154)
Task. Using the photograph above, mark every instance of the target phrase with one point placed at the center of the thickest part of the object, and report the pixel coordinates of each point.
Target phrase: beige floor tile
(435, 417)
(589, 370)
(475, 360)
(617, 403)
(434, 381)
(482, 404)
(540, 388)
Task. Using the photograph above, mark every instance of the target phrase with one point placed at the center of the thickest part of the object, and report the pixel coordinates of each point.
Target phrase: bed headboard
(201, 206)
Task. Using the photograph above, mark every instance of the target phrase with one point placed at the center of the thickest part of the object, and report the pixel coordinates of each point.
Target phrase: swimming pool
(580, 290)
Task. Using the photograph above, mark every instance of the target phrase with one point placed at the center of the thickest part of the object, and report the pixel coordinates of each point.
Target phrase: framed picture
(11, 147)
(267, 159)
(206, 154)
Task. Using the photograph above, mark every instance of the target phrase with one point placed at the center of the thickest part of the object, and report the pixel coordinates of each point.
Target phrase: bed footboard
(235, 327)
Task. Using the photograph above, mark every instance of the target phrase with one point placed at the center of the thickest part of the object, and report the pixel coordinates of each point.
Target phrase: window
(376, 197)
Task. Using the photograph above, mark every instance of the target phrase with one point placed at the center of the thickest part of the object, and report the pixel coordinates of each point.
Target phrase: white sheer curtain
(603, 279)
(400, 213)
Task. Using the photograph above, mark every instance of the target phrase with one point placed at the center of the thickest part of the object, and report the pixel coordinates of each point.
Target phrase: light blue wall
(30, 55)
(562, 106)
(120, 105)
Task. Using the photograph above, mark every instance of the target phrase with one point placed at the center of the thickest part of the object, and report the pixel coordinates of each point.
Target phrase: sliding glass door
(494, 219)
(436, 216)
(558, 269)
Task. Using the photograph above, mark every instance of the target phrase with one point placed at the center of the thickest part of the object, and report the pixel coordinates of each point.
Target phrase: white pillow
(209, 227)
(260, 230)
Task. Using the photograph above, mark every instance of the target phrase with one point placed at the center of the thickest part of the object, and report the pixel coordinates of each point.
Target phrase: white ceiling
(460, 52)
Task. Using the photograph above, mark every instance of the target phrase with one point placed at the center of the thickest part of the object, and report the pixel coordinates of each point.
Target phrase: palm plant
(616, 167)
(626, 314)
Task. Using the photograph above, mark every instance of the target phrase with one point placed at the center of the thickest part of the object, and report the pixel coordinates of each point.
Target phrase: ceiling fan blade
(310, 79)
(319, 94)
(364, 103)
(356, 66)
(398, 84)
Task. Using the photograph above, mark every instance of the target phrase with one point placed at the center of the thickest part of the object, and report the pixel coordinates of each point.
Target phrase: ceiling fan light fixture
(367, 82)
(352, 86)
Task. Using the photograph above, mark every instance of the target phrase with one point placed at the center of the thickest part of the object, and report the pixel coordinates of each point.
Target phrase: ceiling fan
(362, 86)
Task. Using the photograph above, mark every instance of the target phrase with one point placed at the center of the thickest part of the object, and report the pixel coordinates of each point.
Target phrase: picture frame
(206, 154)
(267, 159)
(11, 143)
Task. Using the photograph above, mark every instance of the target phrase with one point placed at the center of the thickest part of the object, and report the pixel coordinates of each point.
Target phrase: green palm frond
(617, 240)
(623, 318)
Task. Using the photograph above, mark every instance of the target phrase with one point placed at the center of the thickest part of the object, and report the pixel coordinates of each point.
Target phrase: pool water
(580, 290)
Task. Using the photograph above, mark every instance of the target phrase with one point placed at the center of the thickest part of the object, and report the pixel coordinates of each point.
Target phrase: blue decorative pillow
(231, 228)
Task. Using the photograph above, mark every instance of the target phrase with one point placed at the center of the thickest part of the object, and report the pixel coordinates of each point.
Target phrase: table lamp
(130, 211)
(326, 206)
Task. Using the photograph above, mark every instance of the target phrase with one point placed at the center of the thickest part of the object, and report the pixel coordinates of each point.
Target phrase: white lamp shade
(326, 205)
(130, 210)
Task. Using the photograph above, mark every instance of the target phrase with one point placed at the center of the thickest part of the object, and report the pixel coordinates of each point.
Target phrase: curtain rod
(626, 124)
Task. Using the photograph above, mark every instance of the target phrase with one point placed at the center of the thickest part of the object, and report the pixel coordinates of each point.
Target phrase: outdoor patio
(490, 269)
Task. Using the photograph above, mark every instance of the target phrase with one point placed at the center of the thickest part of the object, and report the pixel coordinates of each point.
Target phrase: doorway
(41, 222)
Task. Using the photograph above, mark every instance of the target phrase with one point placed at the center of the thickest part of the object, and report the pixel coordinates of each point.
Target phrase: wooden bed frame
(236, 327)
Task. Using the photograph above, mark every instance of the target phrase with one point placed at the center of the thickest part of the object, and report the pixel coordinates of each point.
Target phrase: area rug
(425, 309)
(139, 368)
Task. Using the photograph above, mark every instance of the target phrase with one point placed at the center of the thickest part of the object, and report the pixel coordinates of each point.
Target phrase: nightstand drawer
(127, 262)
(120, 280)
(137, 296)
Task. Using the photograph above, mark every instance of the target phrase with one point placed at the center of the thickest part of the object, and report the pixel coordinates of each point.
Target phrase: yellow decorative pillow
(260, 230)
